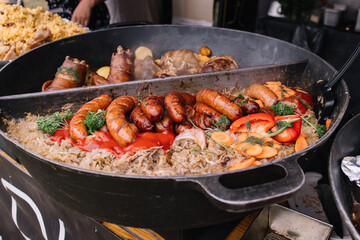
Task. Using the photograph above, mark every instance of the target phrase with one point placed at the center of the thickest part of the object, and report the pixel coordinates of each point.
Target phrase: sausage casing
(77, 127)
(120, 129)
(138, 117)
(220, 103)
(164, 125)
(262, 93)
(152, 106)
(175, 104)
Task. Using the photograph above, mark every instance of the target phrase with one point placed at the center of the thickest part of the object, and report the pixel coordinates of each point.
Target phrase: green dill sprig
(94, 121)
(54, 122)
(222, 123)
(281, 109)
(320, 129)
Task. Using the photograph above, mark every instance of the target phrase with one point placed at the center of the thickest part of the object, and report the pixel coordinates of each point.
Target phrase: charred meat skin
(220, 103)
(121, 65)
(175, 103)
(71, 74)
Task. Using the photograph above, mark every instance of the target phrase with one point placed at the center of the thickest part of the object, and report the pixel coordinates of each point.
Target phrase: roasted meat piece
(180, 62)
(220, 63)
(121, 65)
(71, 74)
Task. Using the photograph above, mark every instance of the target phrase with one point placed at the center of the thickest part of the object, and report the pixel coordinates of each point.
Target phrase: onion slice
(195, 134)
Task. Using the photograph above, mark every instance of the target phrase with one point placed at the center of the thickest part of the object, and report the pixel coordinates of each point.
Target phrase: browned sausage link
(152, 106)
(248, 107)
(207, 111)
(179, 128)
(121, 65)
(165, 125)
(138, 117)
(220, 103)
(262, 93)
(70, 74)
(175, 104)
(120, 129)
(77, 127)
(201, 120)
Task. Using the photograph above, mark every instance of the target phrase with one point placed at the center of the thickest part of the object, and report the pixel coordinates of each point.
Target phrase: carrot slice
(267, 152)
(243, 164)
(256, 163)
(242, 136)
(300, 143)
(327, 124)
(253, 150)
(240, 147)
(223, 138)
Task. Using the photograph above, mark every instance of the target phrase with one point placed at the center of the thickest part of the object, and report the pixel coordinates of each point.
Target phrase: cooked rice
(19, 24)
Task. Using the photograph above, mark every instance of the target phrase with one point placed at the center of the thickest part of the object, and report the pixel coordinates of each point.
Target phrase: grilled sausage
(121, 65)
(164, 125)
(138, 117)
(201, 120)
(248, 107)
(70, 74)
(207, 111)
(152, 106)
(77, 127)
(175, 104)
(120, 129)
(262, 93)
(220, 103)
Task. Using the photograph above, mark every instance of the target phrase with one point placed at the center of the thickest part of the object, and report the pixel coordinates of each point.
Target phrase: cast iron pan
(163, 202)
(346, 143)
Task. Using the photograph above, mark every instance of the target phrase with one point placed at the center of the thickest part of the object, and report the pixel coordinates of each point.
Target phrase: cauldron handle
(249, 198)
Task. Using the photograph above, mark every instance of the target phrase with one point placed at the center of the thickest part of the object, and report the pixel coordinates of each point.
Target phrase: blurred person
(89, 13)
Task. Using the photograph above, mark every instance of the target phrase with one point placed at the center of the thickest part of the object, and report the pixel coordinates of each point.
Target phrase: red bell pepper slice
(305, 96)
(290, 134)
(300, 107)
(257, 122)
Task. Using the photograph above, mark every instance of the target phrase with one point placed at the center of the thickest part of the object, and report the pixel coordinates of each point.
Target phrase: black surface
(160, 202)
(332, 44)
(341, 189)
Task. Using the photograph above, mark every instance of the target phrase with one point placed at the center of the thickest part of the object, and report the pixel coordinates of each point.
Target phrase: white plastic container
(331, 17)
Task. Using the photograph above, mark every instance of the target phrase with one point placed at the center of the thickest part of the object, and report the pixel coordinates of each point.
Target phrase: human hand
(82, 13)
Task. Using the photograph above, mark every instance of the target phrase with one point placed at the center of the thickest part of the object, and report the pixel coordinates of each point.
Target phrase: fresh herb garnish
(240, 96)
(248, 126)
(260, 141)
(282, 90)
(281, 109)
(94, 121)
(255, 140)
(54, 122)
(146, 104)
(222, 123)
(282, 126)
(320, 129)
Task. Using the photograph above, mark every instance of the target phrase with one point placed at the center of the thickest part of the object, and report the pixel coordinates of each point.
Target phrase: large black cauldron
(163, 202)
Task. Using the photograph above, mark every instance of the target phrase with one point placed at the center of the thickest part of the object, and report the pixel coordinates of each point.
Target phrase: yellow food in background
(19, 24)
(103, 71)
(142, 52)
